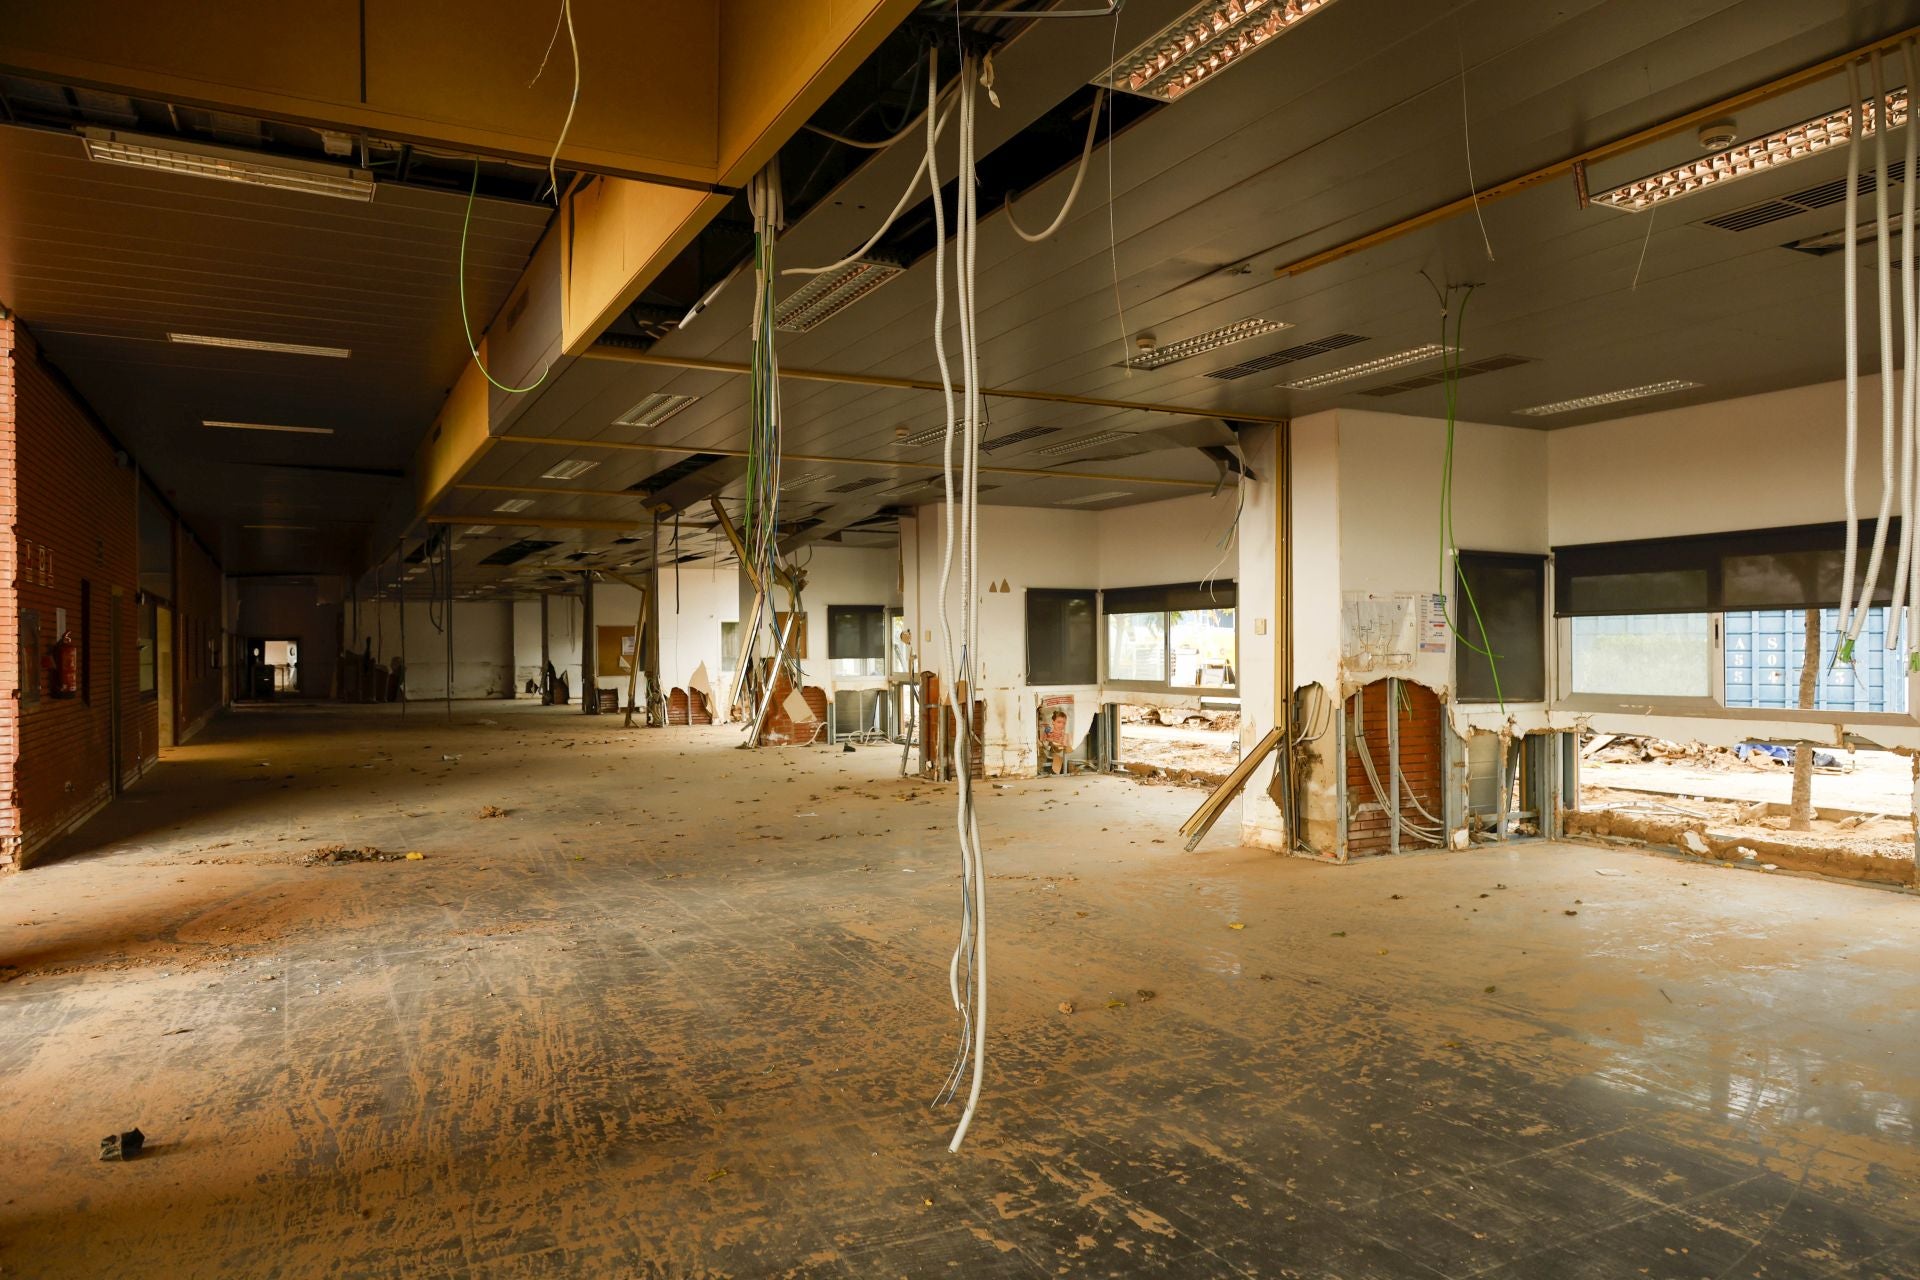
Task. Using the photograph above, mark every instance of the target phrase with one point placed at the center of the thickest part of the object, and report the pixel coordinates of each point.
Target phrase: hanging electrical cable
(1851, 255)
(564, 16)
(1903, 562)
(967, 971)
(466, 325)
(1079, 176)
(913, 185)
(1883, 271)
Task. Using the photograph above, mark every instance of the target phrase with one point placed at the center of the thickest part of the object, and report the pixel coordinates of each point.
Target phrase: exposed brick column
(9, 612)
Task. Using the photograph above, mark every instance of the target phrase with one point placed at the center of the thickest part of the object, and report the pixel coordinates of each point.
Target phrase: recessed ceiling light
(1379, 364)
(919, 438)
(804, 478)
(1212, 340)
(830, 293)
(478, 530)
(571, 469)
(515, 504)
(1756, 155)
(1085, 442)
(1668, 387)
(1203, 42)
(1091, 497)
(284, 527)
(267, 426)
(254, 344)
(654, 409)
(173, 155)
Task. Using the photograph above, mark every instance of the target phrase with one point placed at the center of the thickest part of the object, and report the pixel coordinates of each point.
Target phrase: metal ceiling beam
(1605, 151)
(602, 351)
(828, 459)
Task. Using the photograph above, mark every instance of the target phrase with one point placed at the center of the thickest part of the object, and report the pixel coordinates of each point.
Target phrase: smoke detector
(1717, 136)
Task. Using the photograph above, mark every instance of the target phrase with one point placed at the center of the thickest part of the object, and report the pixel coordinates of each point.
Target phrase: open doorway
(283, 656)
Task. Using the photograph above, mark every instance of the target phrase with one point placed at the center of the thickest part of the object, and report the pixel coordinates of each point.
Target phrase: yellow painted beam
(619, 236)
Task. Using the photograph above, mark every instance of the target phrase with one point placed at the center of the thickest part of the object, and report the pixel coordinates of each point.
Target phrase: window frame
(1166, 613)
(1092, 597)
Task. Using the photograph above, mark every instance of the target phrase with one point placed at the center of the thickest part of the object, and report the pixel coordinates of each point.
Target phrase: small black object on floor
(122, 1146)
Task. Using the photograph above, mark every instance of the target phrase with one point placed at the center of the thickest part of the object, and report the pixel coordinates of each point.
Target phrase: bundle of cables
(1903, 363)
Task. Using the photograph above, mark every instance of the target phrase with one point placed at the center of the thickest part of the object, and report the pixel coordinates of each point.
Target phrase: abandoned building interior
(960, 638)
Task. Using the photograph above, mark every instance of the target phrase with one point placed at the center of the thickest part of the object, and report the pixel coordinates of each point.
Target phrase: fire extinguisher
(65, 660)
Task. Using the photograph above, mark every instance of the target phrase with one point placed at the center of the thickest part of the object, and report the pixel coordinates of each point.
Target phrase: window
(1766, 647)
(1653, 655)
(143, 642)
(1499, 611)
(1137, 647)
(856, 640)
(899, 645)
(730, 646)
(1174, 637)
(1062, 644)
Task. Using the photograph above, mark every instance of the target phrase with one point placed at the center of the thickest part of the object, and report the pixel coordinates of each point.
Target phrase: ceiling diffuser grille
(1489, 365)
(1304, 351)
(854, 486)
(1015, 437)
(1820, 196)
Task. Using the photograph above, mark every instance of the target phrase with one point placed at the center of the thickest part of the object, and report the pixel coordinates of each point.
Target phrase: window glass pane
(1506, 616)
(1062, 645)
(730, 646)
(899, 644)
(1137, 646)
(1766, 647)
(1655, 655)
(1202, 648)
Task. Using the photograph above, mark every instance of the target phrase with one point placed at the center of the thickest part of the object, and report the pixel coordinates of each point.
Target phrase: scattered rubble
(333, 854)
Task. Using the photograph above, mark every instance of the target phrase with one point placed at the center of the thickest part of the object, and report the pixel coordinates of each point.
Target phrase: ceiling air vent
(1820, 196)
(678, 471)
(1305, 351)
(514, 552)
(1015, 437)
(1489, 365)
(854, 486)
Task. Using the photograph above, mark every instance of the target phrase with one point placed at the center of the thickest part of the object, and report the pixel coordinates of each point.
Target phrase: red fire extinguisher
(65, 661)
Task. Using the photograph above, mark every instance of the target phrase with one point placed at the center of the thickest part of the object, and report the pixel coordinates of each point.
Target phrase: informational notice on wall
(1379, 631)
(1433, 624)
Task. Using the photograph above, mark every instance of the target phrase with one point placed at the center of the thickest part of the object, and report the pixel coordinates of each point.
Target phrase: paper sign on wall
(1433, 625)
(1378, 630)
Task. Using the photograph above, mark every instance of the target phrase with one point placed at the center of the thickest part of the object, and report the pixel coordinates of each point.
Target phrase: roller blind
(1062, 644)
(1171, 598)
(856, 631)
(1798, 567)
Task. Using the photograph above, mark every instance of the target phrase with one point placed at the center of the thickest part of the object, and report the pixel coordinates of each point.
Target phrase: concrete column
(589, 691)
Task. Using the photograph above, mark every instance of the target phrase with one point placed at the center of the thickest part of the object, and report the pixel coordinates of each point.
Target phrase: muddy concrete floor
(681, 1010)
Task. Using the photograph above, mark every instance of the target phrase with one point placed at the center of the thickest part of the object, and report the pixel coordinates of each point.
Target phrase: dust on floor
(681, 1011)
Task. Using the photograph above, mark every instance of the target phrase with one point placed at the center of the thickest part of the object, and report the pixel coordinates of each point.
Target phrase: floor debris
(122, 1146)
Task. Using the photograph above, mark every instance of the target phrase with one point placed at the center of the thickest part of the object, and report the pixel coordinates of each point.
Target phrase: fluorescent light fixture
(826, 295)
(1756, 155)
(571, 469)
(1092, 497)
(804, 478)
(515, 504)
(1085, 442)
(173, 155)
(287, 528)
(1379, 364)
(477, 530)
(254, 344)
(1668, 387)
(266, 426)
(919, 438)
(1211, 340)
(654, 410)
(1203, 42)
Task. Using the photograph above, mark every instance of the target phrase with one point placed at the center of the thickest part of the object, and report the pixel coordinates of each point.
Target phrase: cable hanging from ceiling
(935, 129)
(1079, 176)
(967, 971)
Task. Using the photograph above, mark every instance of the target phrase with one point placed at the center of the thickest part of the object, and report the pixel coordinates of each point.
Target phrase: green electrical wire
(466, 324)
(1450, 361)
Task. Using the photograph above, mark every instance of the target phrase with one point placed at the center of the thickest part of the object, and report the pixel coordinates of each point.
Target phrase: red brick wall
(9, 614)
(73, 521)
(1419, 715)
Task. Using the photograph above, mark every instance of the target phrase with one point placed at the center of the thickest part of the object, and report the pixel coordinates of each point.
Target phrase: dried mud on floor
(681, 1010)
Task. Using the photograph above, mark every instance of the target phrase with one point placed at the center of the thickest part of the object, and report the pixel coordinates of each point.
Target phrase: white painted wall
(483, 646)
(1751, 463)
(843, 575)
(563, 641)
(708, 597)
